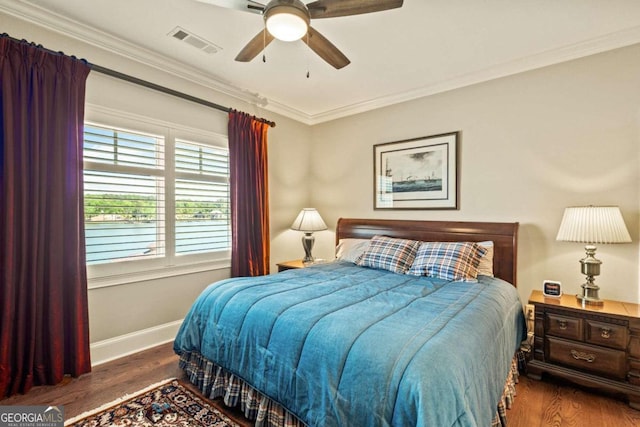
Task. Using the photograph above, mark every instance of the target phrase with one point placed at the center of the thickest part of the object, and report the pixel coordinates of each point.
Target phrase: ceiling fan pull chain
(307, 55)
(264, 44)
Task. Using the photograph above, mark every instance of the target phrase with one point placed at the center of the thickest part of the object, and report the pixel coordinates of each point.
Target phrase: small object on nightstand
(551, 288)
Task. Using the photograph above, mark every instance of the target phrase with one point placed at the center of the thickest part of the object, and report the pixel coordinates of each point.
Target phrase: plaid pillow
(448, 260)
(388, 253)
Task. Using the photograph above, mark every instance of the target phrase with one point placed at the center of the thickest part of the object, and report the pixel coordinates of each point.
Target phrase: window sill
(157, 273)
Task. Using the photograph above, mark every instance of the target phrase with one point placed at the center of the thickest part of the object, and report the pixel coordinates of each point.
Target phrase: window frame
(170, 264)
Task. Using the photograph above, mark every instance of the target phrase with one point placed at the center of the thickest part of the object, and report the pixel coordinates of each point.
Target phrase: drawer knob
(605, 333)
(581, 355)
(562, 324)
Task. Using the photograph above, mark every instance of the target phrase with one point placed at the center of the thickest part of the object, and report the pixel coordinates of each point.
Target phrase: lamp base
(590, 293)
(589, 300)
(590, 266)
(307, 243)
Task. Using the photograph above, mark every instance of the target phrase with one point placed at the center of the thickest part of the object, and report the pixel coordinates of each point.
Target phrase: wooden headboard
(503, 234)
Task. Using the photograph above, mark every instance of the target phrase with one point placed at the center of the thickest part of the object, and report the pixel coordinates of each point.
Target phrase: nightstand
(290, 265)
(297, 263)
(594, 346)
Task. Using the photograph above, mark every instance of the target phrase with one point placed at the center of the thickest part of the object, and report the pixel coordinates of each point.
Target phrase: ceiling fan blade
(244, 5)
(335, 8)
(325, 49)
(255, 46)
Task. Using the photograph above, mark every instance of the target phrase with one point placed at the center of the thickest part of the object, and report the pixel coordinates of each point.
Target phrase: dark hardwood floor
(538, 403)
(554, 402)
(110, 381)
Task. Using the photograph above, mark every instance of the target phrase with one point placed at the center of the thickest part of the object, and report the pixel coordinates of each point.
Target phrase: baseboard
(124, 345)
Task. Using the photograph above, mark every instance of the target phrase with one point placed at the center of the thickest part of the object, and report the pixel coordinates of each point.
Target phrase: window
(202, 198)
(153, 200)
(123, 195)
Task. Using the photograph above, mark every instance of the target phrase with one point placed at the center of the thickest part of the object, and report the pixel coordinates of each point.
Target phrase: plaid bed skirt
(213, 381)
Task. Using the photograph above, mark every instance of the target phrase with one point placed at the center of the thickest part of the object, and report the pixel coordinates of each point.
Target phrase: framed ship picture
(420, 173)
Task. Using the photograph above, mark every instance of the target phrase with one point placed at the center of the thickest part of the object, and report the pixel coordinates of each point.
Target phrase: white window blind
(124, 197)
(154, 201)
(201, 198)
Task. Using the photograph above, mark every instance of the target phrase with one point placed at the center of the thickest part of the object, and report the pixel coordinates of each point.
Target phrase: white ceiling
(425, 47)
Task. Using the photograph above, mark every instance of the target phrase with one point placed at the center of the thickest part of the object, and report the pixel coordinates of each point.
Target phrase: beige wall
(129, 308)
(531, 144)
(289, 165)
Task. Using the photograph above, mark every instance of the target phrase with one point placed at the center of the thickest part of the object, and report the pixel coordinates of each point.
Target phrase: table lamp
(308, 221)
(591, 225)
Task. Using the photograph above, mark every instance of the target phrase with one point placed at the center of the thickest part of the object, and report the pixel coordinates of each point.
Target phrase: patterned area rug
(165, 404)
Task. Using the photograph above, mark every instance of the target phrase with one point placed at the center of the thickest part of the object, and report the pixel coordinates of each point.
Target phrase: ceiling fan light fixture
(287, 22)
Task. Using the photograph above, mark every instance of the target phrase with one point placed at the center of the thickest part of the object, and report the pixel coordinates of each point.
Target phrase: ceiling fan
(289, 20)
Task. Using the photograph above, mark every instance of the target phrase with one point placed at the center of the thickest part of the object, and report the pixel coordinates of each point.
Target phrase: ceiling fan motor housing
(287, 9)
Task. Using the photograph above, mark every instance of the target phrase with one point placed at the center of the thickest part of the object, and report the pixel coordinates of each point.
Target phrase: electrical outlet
(529, 315)
(529, 312)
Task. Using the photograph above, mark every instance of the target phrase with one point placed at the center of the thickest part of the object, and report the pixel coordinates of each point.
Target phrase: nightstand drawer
(607, 334)
(564, 326)
(611, 363)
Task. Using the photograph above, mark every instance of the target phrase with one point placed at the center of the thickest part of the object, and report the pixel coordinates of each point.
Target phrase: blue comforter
(342, 345)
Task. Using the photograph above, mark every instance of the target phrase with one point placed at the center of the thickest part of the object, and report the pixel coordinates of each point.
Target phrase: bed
(342, 344)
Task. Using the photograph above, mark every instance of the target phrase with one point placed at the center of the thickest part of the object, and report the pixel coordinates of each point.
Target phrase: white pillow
(351, 249)
(486, 262)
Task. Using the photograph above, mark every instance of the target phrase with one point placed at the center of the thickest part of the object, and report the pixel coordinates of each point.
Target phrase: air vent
(195, 41)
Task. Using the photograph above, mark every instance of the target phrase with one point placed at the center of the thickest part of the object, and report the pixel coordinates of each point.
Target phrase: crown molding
(41, 17)
(293, 113)
(594, 46)
(25, 10)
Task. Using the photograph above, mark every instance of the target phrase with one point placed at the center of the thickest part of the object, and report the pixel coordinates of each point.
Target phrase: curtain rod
(163, 89)
(145, 83)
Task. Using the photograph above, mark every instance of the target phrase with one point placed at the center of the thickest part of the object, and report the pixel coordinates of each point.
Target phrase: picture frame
(418, 173)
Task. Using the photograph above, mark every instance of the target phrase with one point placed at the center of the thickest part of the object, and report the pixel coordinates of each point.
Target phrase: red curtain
(250, 241)
(44, 331)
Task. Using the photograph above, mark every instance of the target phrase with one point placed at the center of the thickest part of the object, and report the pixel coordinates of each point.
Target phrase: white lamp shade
(593, 224)
(308, 220)
(286, 26)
